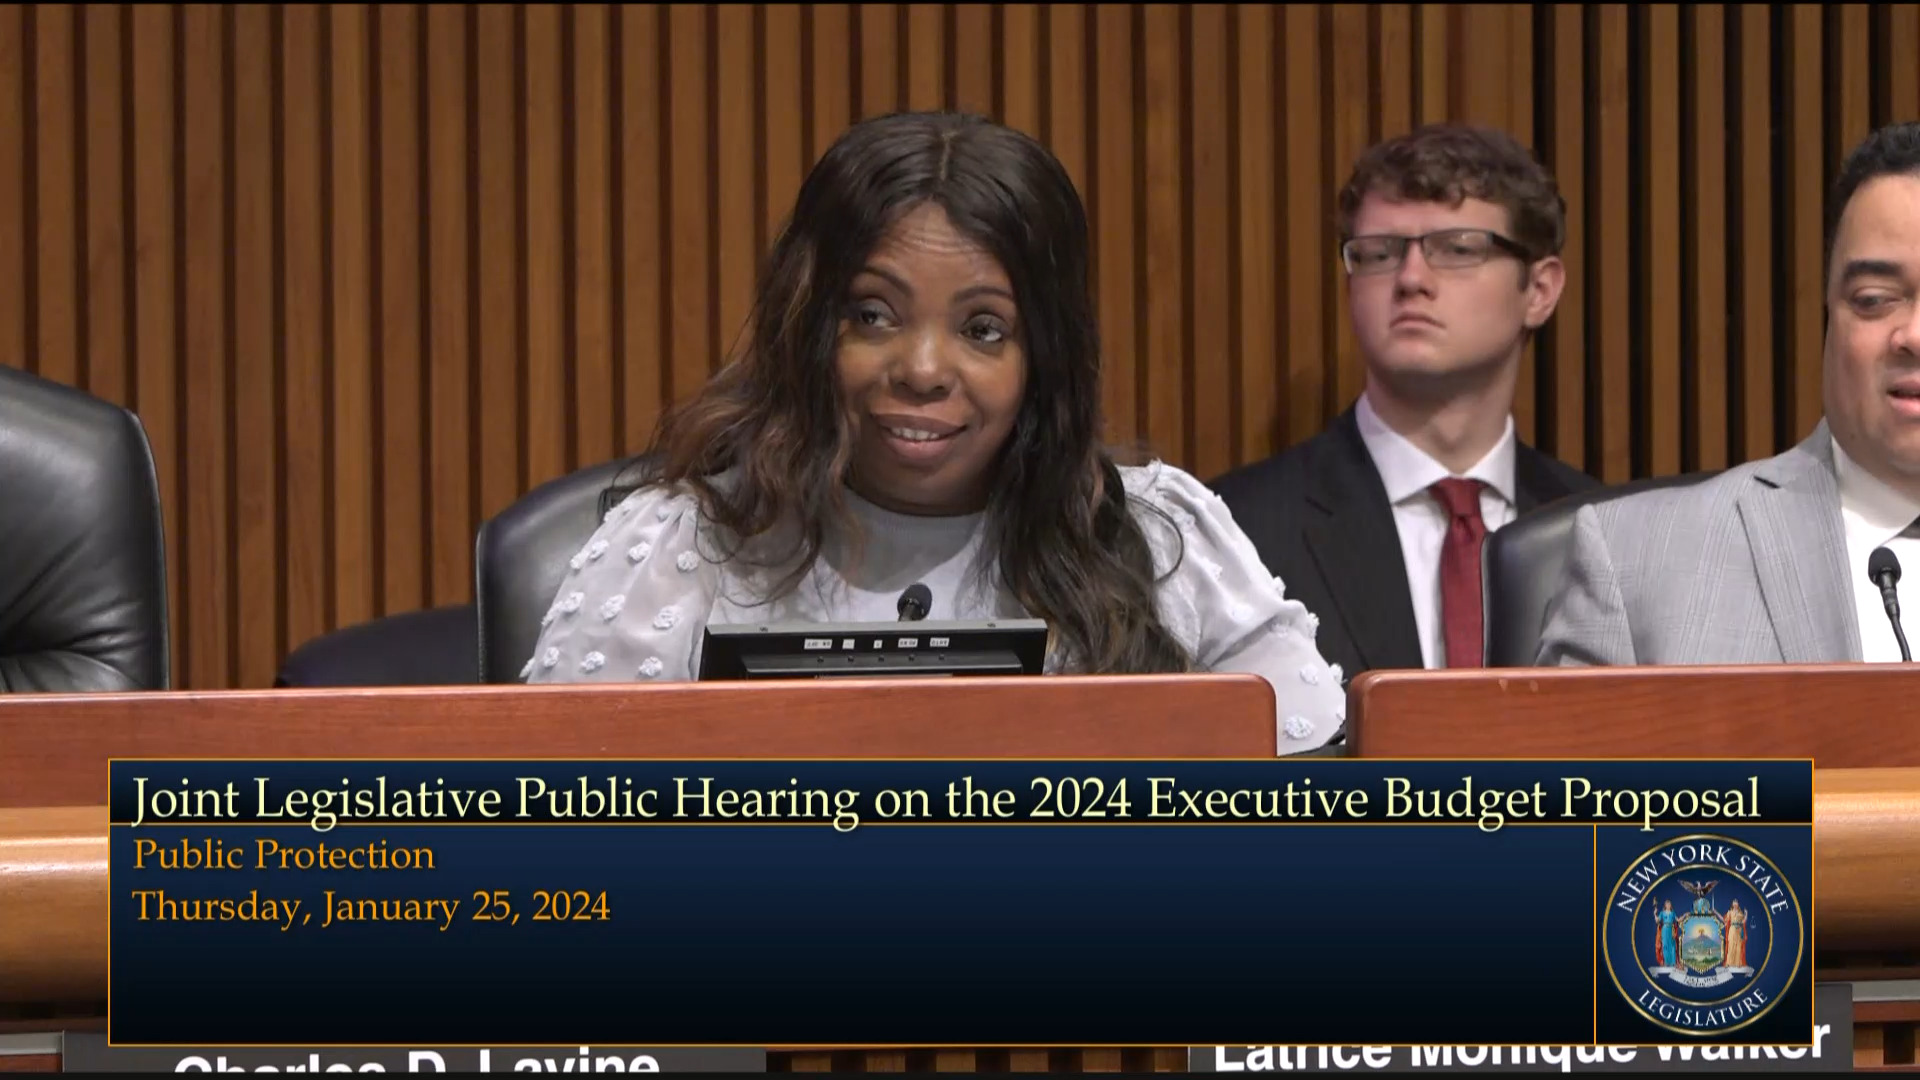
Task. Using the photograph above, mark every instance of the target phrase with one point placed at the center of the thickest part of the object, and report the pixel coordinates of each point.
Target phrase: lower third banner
(950, 904)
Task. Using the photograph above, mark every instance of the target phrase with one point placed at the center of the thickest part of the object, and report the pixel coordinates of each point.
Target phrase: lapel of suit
(1354, 542)
(1534, 483)
(1792, 519)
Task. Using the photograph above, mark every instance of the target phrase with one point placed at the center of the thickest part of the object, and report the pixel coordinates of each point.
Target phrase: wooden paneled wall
(367, 273)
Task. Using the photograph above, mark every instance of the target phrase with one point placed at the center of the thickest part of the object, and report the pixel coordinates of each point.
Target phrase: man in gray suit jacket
(1767, 562)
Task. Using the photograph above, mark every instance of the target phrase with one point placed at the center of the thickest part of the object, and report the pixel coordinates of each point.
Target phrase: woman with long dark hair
(919, 401)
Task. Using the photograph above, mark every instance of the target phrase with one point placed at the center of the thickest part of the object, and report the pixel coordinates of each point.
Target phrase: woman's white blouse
(637, 597)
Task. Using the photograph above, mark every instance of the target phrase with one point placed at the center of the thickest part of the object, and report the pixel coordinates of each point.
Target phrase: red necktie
(1460, 571)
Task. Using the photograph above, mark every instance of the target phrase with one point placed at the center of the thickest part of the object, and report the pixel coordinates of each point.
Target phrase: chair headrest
(1523, 566)
(520, 557)
(83, 602)
(429, 647)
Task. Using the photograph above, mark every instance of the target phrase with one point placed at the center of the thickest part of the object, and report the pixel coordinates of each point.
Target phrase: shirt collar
(1867, 504)
(1407, 470)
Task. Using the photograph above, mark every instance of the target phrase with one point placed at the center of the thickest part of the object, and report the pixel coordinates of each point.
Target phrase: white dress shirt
(1408, 471)
(1874, 515)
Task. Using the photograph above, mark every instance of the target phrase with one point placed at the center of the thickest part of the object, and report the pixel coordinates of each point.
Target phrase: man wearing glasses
(1451, 240)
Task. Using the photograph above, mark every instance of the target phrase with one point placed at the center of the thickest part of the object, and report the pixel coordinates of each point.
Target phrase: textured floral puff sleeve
(635, 599)
(1230, 612)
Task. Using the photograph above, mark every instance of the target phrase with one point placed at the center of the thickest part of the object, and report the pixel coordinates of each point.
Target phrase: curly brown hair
(1453, 162)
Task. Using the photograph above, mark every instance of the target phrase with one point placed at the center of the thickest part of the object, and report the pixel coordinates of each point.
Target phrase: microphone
(1883, 569)
(918, 600)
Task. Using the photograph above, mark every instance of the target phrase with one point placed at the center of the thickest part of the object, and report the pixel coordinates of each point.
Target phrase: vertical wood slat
(688, 195)
(1349, 115)
(735, 184)
(1393, 44)
(972, 62)
(1305, 250)
(1115, 242)
(1853, 109)
(833, 75)
(878, 26)
(204, 528)
(402, 456)
(450, 252)
(1209, 286)
(1802, 216)
(1020, 68)
(57, 349)
(1902, 86)
(590, 299)
(785, 153)
(497, 255)
(1612, 272)
(1565, 154)
(303, 478)
(1065, 122)
(923, 57)
(644, 354)
(1519, 90)
(256, 273)
(1483, 90)
(1705, 211)
(1255, 275)
(367, 274)
(155, 284)
(14, 186)
(1432, 100)
(1754, 193)
(104, 287)
(1165, 401)
(1519, 123)
(351, 356)
(1659, 279)
(547, 363)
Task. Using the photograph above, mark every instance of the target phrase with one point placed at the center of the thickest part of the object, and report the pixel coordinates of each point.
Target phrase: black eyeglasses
(1447, 249)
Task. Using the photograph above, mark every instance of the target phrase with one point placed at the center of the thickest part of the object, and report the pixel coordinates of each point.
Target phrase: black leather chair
(83, 563)
(521, 553)
(432, 647)
(1524, 565)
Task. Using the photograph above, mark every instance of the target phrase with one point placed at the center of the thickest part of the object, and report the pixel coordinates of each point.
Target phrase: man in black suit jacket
(1451, 238)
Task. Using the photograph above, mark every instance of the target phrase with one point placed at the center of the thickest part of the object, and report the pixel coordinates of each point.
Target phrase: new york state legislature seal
(1703, 935)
